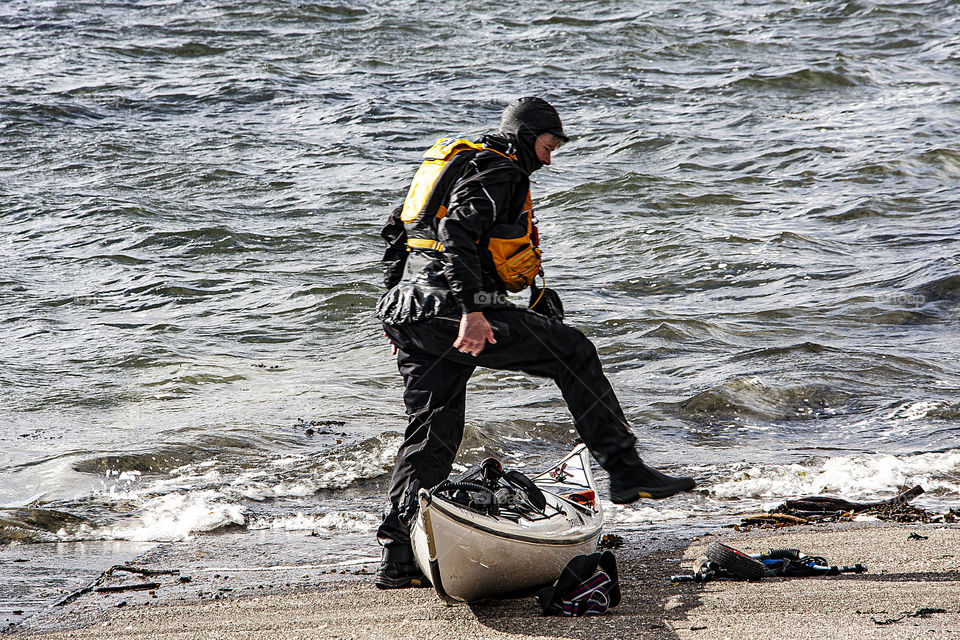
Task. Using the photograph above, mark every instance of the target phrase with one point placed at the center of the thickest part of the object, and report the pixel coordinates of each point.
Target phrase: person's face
(546, 144)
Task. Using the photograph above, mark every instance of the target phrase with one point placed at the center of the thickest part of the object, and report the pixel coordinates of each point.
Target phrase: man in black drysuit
(445, 312)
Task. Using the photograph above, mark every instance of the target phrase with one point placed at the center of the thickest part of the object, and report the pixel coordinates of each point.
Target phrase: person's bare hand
(475, 333)
(393, 347)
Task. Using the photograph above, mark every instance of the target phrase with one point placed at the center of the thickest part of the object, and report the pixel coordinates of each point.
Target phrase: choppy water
(756, 221)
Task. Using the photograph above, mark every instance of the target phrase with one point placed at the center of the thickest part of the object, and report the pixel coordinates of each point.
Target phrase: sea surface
(756, 221)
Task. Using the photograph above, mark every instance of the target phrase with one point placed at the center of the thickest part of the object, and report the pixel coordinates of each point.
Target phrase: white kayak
(494, 534)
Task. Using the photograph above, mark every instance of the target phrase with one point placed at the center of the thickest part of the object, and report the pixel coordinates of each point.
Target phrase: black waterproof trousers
(435, 376)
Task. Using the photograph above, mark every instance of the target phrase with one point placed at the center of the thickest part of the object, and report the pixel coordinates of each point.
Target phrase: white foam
(175, 516)
(852, 477)
(130, 485)
(294, 489)
(334, 521)
(304, 476)
(912, 410)
(627, 514)
(369, 461)
(288, 476)
(202, 496)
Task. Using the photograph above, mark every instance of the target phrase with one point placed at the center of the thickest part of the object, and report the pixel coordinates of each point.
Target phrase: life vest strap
(424, 243)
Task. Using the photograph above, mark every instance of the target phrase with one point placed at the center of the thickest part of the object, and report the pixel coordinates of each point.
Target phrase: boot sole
(383, 582)
(651, 493)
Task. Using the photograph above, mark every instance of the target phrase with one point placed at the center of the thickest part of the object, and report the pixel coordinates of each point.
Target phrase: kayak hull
(471, 556)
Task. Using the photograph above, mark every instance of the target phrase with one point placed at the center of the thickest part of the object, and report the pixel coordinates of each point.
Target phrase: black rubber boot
(631, 479)
(399, 571)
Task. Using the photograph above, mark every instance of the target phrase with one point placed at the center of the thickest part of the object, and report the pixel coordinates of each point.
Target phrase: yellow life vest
(513, 247)
(515, 250)
(435, 160)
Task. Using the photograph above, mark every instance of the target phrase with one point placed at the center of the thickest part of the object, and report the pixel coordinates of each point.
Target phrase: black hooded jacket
(491, 189)
(423, 283)
(523, 121)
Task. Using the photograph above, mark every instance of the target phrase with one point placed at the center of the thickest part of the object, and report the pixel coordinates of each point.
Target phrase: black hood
(523, 121)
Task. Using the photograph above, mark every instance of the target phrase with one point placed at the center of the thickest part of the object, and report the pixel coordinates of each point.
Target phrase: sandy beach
(911, 590)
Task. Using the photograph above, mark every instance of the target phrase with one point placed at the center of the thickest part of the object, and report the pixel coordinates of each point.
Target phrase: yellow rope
(542, 289)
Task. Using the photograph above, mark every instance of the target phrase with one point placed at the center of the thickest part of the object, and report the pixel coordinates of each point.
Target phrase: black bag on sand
(588, 584)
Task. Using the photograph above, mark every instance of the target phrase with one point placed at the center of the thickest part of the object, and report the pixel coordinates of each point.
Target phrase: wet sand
(911, 590)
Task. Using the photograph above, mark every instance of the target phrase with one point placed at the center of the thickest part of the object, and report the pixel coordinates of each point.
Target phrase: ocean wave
(175, 492)
(940, 289)
(339, 469)
(751, 397)
(800, 348)
(853, 477)
(46, 113)
(804, 78)
(34, 524)
(166, 458)
(945, 159)
(158, 52)
(925, 410)
(205, 240)
(171, 517)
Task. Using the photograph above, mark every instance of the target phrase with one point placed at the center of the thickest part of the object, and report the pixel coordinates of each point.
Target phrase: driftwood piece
(143, 572)
(96, 584)
(70, 597)
(128, 587)
(781, 518)
(830, 503)
(814, 509)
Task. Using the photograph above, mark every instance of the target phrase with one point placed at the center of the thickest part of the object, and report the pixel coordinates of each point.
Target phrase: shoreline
(911, 589)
